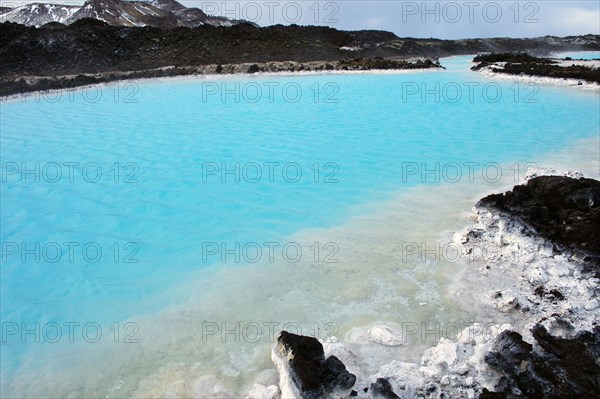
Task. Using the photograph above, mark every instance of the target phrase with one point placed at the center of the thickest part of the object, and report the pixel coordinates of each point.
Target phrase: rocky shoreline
(544, 238)
(90, 51)
(520, 64)
(20, 85)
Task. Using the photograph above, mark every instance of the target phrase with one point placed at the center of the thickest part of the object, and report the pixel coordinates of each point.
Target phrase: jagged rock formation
(524, 64)
(382, 389)
(526, 270)
(551, 223)
(562, 368)
(305, 372)
(562, 209)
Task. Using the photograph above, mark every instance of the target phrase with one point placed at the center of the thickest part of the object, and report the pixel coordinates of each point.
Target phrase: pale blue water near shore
(580, 55)
(163, 201)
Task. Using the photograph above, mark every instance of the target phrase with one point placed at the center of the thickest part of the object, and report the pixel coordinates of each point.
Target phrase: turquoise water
(160, 201)
(580, 55)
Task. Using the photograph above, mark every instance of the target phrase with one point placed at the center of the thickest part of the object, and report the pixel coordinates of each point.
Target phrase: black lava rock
(562, 209)
(524, 64)
(382, 389)
(253, 68)
(313, 374)
(564, 368)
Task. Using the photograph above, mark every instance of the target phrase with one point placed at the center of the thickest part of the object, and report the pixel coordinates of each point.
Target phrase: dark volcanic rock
(88, 22)
(541, 46)
(253, 68)
(53, 25)
(515, 58)
(94, 47)
(382, 389)
(365, 64)
(524, 64)
(564, 368)
(510, 351)
(312, 374)
(486, 394)
(562, 209)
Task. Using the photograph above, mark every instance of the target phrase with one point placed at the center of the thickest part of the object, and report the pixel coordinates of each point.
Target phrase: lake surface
(580, 55)
(155, 232)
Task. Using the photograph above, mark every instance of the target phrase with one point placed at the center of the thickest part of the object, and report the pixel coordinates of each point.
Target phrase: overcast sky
(442, 19)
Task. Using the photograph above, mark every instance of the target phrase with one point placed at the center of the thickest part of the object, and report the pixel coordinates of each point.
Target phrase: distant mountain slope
(156, 13)
(38, 14)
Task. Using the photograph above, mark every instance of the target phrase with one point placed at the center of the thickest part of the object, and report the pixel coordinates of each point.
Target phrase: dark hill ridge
(540, 46)
(89, 46)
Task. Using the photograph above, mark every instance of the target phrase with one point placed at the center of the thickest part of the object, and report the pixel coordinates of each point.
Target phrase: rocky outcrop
(12, 86)
(522, 64)
(365, 64)
(305, 372)
(561, 209)
(528, 260)
(382, 389)
(544, 239)
(451, 369)
(561, 368)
